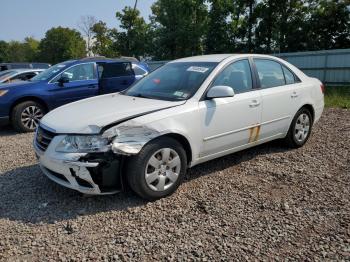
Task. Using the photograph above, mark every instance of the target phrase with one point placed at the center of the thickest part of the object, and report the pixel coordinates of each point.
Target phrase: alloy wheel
(31, 116)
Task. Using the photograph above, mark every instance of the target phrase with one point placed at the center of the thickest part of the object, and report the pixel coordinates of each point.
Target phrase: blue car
(23, 104)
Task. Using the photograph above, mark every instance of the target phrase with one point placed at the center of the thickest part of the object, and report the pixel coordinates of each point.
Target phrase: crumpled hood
(90, 115)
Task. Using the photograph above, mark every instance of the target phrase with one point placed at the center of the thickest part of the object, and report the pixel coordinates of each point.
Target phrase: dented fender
(130, 137)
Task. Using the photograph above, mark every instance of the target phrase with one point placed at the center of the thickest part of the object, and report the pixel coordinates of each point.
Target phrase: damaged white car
(187, 112)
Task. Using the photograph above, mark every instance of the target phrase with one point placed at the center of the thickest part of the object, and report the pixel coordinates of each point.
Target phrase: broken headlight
(83, 144)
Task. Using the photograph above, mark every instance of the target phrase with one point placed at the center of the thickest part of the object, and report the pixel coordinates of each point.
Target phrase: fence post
(325, 67)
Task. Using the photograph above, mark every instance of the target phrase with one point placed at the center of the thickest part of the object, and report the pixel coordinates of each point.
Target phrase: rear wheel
(158, 170)
(300, 129)
(26, 116)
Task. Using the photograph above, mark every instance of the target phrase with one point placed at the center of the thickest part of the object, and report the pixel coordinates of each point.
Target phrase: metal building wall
(330, 66)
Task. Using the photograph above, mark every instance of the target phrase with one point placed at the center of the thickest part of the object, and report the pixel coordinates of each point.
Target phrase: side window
(24, 77)
(289, 76)
(111, 70)
(270, 73)
(81, 72)
(138, 70)
(237, 75)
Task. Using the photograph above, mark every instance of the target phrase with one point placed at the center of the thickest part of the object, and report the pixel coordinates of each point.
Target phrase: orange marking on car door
(257, 134)
(251, 131)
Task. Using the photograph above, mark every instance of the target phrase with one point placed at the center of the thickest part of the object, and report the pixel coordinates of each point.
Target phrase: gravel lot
(264, 203)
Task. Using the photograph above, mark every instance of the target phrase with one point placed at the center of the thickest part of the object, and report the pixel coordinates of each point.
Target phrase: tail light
(323, 88)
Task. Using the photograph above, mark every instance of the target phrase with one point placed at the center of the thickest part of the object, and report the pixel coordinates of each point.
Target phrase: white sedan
(187, 112)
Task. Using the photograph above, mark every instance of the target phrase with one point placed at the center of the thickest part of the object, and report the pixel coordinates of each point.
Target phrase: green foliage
(103, 40)
(337, 97)
(179, 28)
(60, 44)
(329, 24)
(217, 36)
(134, 39)
(4, 51)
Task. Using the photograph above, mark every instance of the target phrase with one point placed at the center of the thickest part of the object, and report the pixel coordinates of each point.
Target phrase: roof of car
(218, 57)
(205, 58)
(23, 70)
(100, 59)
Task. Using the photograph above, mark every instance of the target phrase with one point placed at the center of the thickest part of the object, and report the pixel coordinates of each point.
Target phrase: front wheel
(26, 116)
(158, 170)
(300, 129)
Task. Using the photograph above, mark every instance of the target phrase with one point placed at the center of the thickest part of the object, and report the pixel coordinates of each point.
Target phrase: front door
(82, 84)
(231, 122)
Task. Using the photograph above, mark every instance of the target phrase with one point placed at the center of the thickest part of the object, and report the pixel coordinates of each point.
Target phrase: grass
(337, 96)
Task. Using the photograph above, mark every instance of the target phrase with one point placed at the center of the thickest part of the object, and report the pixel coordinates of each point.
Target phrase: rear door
(82, 84)
(115, 76)
(280, 93)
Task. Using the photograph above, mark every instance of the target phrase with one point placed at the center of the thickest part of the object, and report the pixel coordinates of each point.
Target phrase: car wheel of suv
(25, 116)
(158, 170)
(300, 129)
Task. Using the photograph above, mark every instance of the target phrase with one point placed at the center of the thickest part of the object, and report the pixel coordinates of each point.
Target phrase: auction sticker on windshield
(197, 69)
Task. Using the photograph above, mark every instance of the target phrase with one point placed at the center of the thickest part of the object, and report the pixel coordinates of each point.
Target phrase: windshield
(48, 73)
(173, 81)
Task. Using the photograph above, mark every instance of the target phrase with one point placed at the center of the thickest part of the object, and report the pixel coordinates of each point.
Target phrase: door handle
(92, 86)
(254, 103)
(294, 95)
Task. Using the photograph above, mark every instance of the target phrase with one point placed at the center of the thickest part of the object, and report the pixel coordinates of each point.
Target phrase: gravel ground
(265, 203)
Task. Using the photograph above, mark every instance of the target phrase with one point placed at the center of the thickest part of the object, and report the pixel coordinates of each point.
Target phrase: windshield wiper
(142, 96)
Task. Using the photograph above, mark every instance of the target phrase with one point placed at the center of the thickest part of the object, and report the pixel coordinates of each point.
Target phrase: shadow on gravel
(7, 130)
(235, 159)
(27, 196)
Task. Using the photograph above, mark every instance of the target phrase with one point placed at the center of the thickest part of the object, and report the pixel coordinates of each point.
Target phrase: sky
(22, 18)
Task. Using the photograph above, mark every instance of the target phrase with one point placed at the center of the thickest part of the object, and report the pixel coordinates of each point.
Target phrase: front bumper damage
(93, 173)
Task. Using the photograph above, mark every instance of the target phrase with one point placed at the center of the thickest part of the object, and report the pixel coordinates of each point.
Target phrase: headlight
(3, 92)
(83, 144)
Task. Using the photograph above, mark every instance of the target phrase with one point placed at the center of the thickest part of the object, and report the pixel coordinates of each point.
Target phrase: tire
(299, 131)
(158, 183)
(26, 116)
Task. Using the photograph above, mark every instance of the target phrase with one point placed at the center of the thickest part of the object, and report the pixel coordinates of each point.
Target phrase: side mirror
(63, 79)
(220, 91)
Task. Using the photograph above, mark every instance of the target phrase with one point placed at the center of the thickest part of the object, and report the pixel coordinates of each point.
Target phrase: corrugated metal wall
(330, 66)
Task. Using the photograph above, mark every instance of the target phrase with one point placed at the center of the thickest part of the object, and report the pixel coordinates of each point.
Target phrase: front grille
(43, 138)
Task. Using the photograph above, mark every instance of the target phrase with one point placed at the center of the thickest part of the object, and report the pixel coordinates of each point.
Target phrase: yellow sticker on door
(254, 134)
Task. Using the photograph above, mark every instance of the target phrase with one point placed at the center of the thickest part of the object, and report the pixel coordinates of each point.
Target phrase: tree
(104, 40)
(16, 52)
(217, 37)
(85, 25)
(60, 44)
(4, 46)
(330, 24)
(133, 41)
(179, 27)
(31, 49)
